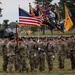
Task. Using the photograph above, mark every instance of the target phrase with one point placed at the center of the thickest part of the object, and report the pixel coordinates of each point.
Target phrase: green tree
(12, 25)
(34, 29)
(70, 5)
(44, 3)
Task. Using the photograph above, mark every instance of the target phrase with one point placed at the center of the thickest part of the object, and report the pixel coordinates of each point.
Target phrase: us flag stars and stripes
(26, 19)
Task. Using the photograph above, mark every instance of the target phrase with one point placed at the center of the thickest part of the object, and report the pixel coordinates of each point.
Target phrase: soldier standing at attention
(50, 54)
(41, 55)
(22, 56)
(11, 54)
(17, 58)
(4, 53)
(35, 54)
(72, 51)
(31, 54)
(26, 67)
(61, 53)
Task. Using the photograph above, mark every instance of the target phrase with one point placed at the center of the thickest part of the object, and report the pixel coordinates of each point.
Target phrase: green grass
(48, 33)
(56, 71)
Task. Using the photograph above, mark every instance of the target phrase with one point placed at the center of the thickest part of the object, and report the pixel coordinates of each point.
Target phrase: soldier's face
(20, 42)
(12, 40)
(6, 39)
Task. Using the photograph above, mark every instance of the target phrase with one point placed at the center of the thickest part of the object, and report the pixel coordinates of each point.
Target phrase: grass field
(56, 71)
(48, 33)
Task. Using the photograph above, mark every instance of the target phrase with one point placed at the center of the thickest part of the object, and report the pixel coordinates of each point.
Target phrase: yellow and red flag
(68, 22)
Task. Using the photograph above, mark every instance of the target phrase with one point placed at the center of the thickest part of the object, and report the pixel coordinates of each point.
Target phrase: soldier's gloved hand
(38, 48)
(44, 53)
(53, 56)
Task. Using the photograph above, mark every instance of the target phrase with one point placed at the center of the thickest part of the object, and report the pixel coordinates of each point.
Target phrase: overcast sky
(10, 8)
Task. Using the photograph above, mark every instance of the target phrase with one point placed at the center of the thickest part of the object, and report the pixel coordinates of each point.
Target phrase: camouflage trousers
(17, 62)
(42, 62)
(36, 62)
(72, 58)
(23, 65)
(5, 62)
(61, 60)
(10, 62)
(32, 63)
(49, 61)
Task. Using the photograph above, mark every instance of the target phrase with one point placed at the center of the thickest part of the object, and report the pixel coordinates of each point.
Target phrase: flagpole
(16, 48)
(38, 34)
(16, 34)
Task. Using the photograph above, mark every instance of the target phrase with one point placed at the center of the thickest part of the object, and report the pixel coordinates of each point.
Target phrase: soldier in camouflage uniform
(61, 53)
(17, 58)
(11, 54)
(23, 56)
(74, 53)
(4, 53)
(36, 55)
(67, 48)
(25, 64)
(55, 40)
(31, 54)
(41, 55)
(50, 54)
(71, 46)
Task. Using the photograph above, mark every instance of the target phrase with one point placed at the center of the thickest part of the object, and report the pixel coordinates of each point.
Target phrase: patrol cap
(34, 40)
(11, 38)
(20, 39)
(71, 36)
(5, 37)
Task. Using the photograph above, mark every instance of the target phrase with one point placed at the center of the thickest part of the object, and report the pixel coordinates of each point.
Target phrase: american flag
(26, 19)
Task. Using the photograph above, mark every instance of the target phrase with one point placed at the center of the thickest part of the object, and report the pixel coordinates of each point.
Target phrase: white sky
(10, 8)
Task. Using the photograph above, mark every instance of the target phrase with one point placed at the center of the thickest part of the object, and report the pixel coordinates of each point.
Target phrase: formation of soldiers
(30, 54)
